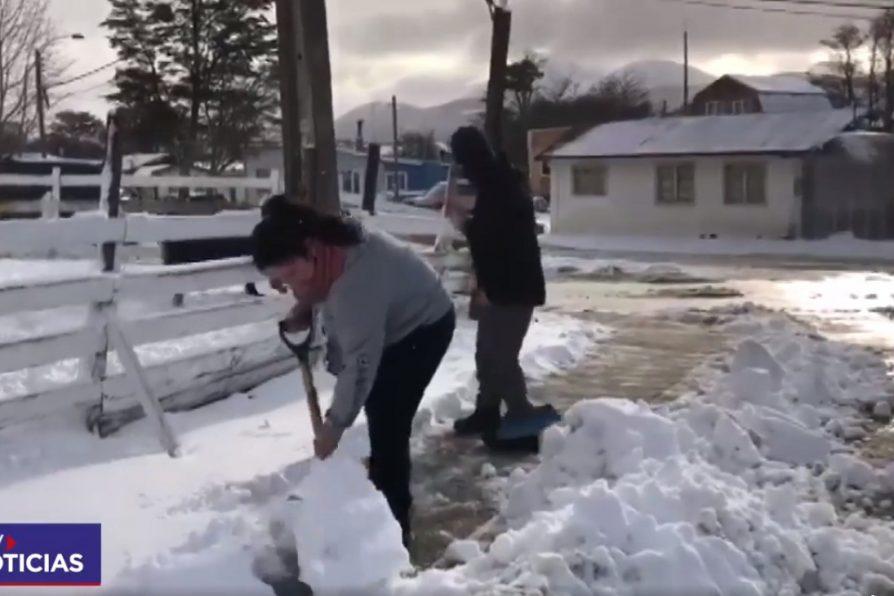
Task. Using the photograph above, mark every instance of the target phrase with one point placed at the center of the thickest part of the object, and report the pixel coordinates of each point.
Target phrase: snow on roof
(787, 102)
(134, 161)
(152, 170)
(779, 84)
(705, 135)
(39, 158)
(867, 146)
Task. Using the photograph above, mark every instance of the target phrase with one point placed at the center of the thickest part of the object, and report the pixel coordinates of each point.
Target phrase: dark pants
(405, 371)
(501, 333)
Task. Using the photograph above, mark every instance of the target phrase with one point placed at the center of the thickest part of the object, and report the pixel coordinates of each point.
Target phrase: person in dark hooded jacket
(502, 237)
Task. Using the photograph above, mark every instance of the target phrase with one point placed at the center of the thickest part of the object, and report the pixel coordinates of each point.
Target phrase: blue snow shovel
(530, 424)
(521, 434)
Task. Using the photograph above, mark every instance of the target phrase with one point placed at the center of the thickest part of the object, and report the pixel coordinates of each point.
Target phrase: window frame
(676, 166)
(402, 181)
(741, 174)
(579, 168)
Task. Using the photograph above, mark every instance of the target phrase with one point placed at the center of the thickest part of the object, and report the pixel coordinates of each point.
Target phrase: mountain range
(662, 78)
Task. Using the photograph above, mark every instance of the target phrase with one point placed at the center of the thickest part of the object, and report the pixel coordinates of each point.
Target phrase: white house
(692, 176)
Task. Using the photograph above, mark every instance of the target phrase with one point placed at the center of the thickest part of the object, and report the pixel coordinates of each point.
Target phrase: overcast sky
(431, 51)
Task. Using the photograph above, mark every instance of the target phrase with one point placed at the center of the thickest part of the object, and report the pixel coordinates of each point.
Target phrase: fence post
(277, 185)
(97, 364)
(49, 205)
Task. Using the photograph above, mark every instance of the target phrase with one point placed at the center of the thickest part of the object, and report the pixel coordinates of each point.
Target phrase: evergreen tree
(198, 77)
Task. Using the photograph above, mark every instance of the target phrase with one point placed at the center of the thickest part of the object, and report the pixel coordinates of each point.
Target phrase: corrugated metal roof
(705, 135)
(779, 84)
(788, 102)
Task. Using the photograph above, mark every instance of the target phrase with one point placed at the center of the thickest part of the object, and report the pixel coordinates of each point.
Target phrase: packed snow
(750, 486)
(201, 519)
(731, 492)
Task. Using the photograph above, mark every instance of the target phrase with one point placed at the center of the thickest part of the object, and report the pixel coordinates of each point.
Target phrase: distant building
(737, 94)
(414, 176)
(541, 140)
(749, 176)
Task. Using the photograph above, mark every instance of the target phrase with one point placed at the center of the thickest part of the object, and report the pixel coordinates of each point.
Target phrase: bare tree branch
(25, 28)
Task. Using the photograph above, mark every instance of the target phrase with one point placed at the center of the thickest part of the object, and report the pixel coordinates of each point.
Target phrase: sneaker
(479, 422)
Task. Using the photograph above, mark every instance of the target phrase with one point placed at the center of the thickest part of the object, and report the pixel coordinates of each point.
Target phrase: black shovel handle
(302, 352)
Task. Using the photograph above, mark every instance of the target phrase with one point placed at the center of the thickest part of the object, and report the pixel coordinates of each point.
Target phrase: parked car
(433, 199)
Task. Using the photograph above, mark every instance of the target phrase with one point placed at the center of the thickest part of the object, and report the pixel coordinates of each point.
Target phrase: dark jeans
(404, 373)
(501, 333)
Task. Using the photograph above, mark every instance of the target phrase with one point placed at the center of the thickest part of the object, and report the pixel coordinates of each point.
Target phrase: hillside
(442, 119)
(662, 78)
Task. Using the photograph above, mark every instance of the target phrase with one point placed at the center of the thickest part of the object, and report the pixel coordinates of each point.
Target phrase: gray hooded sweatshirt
(385, 293)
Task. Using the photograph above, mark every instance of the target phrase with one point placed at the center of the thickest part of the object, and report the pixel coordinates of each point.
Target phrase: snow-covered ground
(197, 520)
(747, 488)
(731, 492)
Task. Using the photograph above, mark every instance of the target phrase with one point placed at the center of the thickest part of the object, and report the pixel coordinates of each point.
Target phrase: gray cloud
(593, 32)
(381, 47)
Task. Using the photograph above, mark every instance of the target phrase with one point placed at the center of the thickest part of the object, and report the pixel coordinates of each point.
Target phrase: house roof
(135, 161)
(788, 85)
(796, 132)
(786, 102)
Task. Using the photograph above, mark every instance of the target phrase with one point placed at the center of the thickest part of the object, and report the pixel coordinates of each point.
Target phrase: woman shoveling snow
(389, 323)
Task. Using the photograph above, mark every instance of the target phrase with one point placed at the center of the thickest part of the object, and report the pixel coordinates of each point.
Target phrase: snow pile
(340, 521)
(732, 493)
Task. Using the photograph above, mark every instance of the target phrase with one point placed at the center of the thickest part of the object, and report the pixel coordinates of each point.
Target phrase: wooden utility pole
(307, 81)
(290, 84)
(371, 180)
(395, 149)
(501, 20)
(685, 72)
(41, 117)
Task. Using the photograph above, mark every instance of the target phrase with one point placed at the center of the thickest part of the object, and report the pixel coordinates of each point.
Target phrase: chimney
(359, 142)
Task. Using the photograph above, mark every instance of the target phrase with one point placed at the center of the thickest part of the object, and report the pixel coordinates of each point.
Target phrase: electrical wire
(771, 10)
(89, 73)
(862, 4)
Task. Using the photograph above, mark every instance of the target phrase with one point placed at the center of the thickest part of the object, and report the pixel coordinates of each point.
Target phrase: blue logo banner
(50, 555)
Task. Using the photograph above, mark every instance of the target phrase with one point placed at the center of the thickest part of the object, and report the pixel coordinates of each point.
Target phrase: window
(675, 184)
(745, 184)
(588, 181)
(262, 173)
(402, 180)
(356, 183)
(712, 108)
(798, 185)
(346, 182)
(739, 106)
(545, 169)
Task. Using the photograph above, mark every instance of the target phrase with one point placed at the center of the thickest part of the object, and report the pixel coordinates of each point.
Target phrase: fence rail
(118, 391)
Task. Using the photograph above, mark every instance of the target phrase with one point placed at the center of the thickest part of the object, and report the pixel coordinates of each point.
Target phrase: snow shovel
(521, 434)
(302, 352)
(278, 567)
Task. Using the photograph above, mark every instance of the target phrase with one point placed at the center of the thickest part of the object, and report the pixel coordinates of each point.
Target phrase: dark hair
(285, 228)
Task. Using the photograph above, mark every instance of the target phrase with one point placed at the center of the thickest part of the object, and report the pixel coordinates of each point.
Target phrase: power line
(86, 74)
(831, 3)
(771, 10)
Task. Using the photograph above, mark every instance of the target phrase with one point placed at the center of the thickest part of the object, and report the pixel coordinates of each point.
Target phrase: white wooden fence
(52, 203)
(179, 384)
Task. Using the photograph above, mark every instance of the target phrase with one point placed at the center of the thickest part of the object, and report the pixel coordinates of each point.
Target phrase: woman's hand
(299, 319)
(326, 441)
